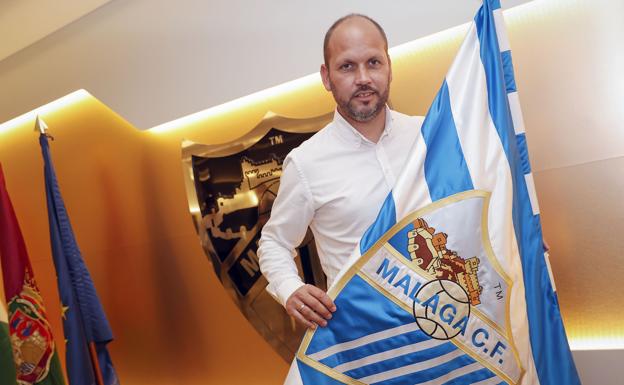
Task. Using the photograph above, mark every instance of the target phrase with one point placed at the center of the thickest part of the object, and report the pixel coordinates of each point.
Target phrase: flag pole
(63, 244)
(96, 364)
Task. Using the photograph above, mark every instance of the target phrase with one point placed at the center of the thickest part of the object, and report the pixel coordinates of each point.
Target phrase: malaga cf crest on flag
(440, 297)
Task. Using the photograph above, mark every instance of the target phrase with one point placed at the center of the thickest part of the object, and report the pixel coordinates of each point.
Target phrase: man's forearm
(279, 268)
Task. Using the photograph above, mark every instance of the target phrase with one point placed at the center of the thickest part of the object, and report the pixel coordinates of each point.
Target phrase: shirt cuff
(286, 288)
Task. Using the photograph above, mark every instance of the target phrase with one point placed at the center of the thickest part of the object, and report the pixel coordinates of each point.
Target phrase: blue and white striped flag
(450, 285)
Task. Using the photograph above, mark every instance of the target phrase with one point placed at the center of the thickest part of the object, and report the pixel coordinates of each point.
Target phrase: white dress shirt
(335, 183)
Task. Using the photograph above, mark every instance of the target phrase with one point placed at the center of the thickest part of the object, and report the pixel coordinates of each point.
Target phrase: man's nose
(362, 76)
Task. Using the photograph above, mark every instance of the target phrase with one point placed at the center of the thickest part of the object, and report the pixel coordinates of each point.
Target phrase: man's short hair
(331, 29)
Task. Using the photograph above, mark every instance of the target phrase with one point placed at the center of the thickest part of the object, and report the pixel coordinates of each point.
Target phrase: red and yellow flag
(34, 353)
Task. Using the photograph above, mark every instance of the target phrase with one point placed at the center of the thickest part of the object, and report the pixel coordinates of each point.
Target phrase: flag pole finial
(42, 127)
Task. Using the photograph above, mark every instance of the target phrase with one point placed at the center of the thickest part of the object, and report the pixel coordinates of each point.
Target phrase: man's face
(358, 71)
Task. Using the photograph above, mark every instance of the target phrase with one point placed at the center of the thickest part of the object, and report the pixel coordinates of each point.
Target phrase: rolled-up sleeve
(292, 211)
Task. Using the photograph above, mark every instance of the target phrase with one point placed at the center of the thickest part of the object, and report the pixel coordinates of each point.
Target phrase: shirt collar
(347, 132)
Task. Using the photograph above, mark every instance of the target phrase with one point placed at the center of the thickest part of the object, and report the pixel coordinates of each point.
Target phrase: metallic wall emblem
(231, 188)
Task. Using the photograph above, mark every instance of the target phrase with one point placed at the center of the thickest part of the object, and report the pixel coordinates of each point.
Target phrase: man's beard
(362, 116)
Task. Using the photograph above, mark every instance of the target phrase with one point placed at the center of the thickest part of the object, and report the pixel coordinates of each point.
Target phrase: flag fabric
(450, 285)
(86, 328)
(35, 360)
(7, 366)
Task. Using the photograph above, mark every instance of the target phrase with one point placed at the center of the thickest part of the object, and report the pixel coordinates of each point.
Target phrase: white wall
(156, 60)
(600, 367)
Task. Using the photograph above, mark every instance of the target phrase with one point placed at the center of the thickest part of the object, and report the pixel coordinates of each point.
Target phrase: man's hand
(310, 306)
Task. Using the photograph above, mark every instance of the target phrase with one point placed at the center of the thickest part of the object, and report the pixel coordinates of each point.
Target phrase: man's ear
(325, 77)
(390, 66)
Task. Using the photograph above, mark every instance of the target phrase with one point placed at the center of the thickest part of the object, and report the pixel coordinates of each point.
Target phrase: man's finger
(323, 297)
(312, 316)
(318, 307)
(302, 320)
(293, 306)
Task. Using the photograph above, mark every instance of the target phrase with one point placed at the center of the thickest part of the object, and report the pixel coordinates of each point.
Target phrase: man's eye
(374, 62)
(346, 67)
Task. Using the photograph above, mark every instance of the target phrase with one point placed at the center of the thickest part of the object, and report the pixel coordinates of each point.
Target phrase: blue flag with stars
(86, 328)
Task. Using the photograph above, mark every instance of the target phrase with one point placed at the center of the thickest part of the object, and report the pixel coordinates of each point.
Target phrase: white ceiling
(23, 22)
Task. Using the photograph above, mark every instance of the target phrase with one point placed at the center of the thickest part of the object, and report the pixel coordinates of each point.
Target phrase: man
(336, 181)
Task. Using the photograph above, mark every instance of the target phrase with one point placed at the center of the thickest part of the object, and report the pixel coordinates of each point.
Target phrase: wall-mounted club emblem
(231, 189)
